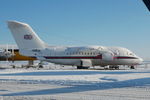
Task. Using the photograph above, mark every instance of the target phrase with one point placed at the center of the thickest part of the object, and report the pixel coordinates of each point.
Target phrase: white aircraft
(31, 45)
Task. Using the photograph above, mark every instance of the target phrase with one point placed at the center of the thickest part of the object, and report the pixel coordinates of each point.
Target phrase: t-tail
(24, 36)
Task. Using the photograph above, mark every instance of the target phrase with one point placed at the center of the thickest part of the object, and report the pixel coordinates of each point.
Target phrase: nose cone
(140, 60)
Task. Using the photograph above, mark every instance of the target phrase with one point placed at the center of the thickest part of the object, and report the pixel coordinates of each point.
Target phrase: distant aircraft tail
(24, 36)
(147, 3)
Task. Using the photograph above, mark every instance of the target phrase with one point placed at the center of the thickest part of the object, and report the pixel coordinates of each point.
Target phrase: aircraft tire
(132, 67)
(81, 67)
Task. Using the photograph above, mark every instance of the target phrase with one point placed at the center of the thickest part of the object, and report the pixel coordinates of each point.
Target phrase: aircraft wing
(147, 3)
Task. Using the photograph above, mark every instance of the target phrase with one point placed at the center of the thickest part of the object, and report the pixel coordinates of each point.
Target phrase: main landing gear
(81, 67)
(132, 67)
(113, 67)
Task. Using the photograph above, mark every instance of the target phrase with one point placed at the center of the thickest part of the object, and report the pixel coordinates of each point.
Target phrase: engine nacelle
(107, 56)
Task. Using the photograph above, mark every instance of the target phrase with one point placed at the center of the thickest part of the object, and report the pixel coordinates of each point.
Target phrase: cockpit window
(131, 54)
(116, 52)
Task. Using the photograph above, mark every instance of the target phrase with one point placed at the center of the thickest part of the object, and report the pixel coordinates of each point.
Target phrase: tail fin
(147, 3)
(24, 36)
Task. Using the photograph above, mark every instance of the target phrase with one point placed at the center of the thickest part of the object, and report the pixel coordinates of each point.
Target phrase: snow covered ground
(34, 84)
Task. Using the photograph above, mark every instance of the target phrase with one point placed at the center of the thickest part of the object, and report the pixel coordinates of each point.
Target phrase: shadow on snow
(57, 73)
(87, 87)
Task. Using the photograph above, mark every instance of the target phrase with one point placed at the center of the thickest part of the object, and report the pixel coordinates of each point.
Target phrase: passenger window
(130, 54)
(91, 53)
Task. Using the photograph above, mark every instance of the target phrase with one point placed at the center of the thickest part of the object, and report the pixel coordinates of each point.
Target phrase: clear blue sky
(124, 23)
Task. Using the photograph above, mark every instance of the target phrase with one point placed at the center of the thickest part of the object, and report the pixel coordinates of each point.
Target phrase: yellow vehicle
(16, 56)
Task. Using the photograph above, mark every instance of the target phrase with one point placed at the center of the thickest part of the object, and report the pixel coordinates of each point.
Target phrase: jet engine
(107, 56)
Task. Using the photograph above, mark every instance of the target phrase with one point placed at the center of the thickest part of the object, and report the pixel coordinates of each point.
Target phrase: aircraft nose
(140, 60)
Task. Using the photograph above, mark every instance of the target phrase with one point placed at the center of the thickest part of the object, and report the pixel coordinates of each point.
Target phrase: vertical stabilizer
(147, 3)
(24, 36)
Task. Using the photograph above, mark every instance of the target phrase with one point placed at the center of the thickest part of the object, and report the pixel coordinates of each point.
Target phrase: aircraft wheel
(132, 67)
(81, 67)
(116, 67)
(40, 66)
